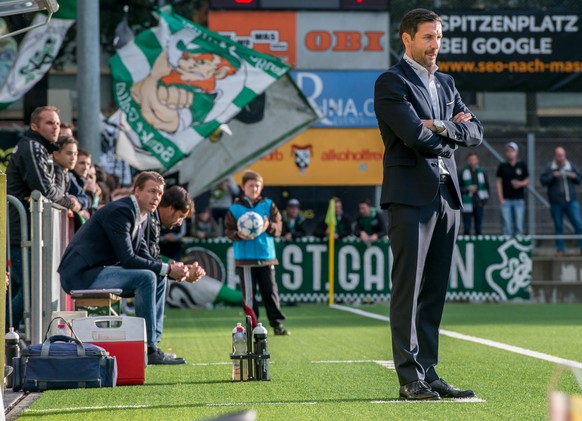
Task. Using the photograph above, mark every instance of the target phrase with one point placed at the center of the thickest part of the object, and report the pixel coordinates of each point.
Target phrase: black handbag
(63, 362)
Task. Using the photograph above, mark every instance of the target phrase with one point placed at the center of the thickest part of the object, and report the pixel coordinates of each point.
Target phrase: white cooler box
(123, 337)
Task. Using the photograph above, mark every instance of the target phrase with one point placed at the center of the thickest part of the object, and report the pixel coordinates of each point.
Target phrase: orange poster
(325, 157)
(271, 33)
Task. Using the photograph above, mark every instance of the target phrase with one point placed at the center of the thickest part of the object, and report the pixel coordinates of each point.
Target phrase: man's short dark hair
(414, 18)
(366, 201)
(66, 140)
(35, 116)
(470, 154)
(177, 197)
(83, 152)
(145, 176)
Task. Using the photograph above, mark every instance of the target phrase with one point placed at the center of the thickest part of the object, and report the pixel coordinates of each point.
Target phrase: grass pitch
(307, 386)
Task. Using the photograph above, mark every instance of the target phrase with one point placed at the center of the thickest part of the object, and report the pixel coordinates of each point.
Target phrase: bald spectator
(561, 178)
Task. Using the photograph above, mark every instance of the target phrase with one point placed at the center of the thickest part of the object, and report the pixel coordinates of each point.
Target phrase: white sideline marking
(86, 408)
(260, 403)
(463, 400)
(477, 340)
(361, 312)
(387, 363)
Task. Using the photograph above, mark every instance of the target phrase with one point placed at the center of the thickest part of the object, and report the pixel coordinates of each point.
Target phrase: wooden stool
(100, 298)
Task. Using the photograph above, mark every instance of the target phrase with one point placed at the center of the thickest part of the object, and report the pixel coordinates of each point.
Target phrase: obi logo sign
(344, 41)
(344, 99)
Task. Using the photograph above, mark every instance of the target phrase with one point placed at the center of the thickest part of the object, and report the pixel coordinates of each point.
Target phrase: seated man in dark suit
(111, 251)
(175, 206)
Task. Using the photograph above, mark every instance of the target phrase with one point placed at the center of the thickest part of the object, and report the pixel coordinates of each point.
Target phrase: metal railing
(41, 288)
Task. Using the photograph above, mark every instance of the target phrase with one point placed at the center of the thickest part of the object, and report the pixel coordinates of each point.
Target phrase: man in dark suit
(111, 251)
(422, 120)
(175, 206)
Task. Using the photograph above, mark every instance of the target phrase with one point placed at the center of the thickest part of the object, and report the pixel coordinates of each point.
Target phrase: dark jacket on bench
(106, 240)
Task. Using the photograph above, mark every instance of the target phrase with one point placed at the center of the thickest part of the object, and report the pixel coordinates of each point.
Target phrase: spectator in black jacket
(293, 221)
(369, 225)
(31, 168)
(343, 225)
(63, 162)
(561, 177)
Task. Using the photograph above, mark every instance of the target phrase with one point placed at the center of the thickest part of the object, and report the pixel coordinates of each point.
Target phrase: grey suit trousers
(422, 240)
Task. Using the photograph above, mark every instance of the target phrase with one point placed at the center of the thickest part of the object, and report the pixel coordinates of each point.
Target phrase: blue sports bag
(63, 362)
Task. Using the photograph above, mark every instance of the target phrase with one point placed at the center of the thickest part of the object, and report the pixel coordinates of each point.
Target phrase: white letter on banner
(465, 269)
(316, 250)
(292, 254)
(374, 269)
(348, 282)
(302, 77)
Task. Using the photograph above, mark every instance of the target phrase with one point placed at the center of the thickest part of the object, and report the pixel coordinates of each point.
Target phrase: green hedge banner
(487, 268)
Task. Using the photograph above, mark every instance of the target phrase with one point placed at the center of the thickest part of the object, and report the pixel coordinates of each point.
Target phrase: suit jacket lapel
(442, 97)
(413, 77)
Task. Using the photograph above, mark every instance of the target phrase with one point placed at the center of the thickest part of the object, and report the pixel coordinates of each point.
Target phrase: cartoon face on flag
(181, 89)
(179, 82)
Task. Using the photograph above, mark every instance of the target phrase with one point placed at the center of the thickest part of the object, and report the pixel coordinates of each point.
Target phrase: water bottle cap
(12, 335)
(260, 330)
(61, 326)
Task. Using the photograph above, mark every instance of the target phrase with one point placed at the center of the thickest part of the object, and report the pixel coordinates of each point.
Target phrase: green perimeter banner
(488, 268)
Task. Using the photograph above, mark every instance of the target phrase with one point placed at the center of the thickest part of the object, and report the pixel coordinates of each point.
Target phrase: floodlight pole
(88, 77)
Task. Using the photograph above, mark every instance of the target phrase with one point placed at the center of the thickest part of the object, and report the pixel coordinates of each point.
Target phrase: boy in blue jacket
(255, 258)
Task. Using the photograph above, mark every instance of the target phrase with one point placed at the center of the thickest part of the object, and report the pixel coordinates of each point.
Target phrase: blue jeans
(572, 211)
(512, 214)
(149, 292)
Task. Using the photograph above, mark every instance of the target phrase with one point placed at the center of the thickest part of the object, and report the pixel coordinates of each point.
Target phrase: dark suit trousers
(422, 241)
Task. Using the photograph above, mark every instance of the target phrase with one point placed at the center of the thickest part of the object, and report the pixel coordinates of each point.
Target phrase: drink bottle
(239, 349)
(12, 350)
(261, 351)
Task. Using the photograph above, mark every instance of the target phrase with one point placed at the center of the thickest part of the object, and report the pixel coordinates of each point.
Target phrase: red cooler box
(123, 337)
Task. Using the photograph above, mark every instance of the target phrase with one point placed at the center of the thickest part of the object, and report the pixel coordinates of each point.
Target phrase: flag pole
(330, 220)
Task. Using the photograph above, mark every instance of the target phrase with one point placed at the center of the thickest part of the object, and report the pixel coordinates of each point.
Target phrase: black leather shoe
(447, 391)
(279, 330)
(158, 357)
(418, 390)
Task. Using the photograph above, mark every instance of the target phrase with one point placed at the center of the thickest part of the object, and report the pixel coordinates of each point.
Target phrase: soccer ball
(250, 224)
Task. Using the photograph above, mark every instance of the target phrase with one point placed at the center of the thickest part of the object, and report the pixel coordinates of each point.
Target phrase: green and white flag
(37, 52)
(179, 82)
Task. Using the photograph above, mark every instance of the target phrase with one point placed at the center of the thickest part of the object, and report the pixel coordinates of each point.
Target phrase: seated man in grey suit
(111, 251)
(422, 121)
